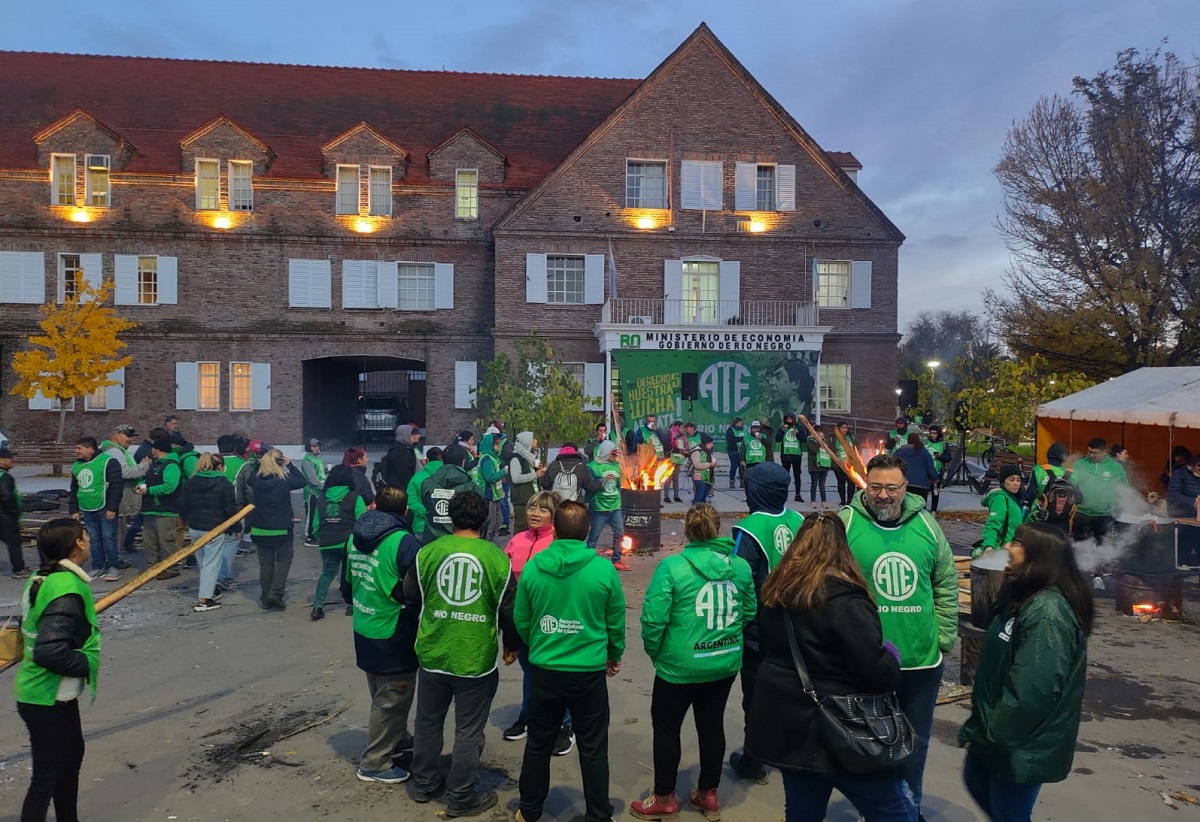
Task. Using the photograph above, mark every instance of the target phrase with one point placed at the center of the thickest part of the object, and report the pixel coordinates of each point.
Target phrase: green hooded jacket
(1004, 515)
(415, 504)
(694, 611)
(1100, 484)
(491, 472)
(910, 572)
(570, 609)
(1029, 691)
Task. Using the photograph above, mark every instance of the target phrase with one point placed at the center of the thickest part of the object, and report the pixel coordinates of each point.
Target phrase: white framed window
(240, 384)
(241, 185)
(379, 196)
(22, 277)
(764, 187)
(833, 283)
(208, 185)
(700, 185)
(62, 179)
(347, 190)
(835, 388)
(97, 400)
(96, 187)
(765, 191)
(310, 284)
(109, 397)
(142, 279)
(70, 277)
(564, 279)
(57, 405)
(645, 183)
(701, 291)
(416, 287)
(147, 280)
(466, 194)
(208, 386)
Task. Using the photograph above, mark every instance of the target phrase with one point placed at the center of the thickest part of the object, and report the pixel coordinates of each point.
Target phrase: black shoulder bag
(866, 734)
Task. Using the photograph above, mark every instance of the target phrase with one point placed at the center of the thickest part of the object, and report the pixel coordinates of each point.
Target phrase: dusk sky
(922, 91)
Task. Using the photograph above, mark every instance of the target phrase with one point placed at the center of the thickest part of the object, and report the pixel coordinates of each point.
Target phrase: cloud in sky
(922, 91)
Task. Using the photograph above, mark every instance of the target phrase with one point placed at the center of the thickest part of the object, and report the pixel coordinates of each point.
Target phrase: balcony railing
(641, 311)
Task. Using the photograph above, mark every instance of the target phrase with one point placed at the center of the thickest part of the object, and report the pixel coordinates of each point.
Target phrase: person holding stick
(61, 658)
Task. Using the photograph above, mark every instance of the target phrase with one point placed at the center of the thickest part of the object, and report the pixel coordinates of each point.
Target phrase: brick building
(290, 238)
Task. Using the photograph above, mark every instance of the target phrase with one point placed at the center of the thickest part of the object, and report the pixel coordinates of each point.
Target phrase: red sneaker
(706, 802)
(621, 565)
(656, 808)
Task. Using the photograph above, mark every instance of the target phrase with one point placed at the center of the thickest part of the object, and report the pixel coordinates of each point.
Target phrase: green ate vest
(320, 469)
(373, 577)
(608, 498)
(756, 450)
(462, 580)
(820, 456)
(92, 484)
(651, 438)
(34, 684)
(773, 533)
(233, 464)
(791, 442)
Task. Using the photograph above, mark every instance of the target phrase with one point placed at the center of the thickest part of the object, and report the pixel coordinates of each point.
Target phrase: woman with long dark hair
(62, 658)
(356, 458)
(819, 587)
(1030, 676)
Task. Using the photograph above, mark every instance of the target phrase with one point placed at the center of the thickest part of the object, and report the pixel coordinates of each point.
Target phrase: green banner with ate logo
(747, 384)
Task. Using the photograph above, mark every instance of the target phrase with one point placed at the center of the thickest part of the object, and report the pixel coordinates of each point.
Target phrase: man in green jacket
(910, 572)
(1101, 481)
(314, 475)
(440, 489)
(463, 587)
(570, 611)
(432, 465)
(162, 502)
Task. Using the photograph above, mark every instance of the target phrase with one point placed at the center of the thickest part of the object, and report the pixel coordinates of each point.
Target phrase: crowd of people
(865, 599)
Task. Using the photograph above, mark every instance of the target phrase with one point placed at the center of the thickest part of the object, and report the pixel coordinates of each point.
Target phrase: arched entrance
(358, 400)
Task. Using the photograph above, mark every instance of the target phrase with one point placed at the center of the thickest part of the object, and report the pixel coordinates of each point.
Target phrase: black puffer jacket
(273, 499)
(397, 654)
(208, 500)
(62, 631)
(842, 645)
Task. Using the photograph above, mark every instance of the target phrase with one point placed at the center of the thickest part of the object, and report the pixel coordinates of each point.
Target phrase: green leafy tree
(1007, 398)
(537, 393)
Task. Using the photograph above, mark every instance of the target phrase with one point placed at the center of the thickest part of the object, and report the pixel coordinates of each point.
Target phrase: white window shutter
(466, 381)
(816, 278)
(729, 290)
(354, 277)
(187, 386)
(260, 386)
(535, 278)
(168, 280)
(745, 187)
(10, 277)
(389, 284)
(114, 395)
(321, 283)
(443, 285)
(23, 277)
(689, 185)
(593, 386)
(299, 283)
(39, 402)
(860, 284)
(711, 185)
(593, 279)
(672, 292)
(785, 188)
(93, 273)
(125, 274)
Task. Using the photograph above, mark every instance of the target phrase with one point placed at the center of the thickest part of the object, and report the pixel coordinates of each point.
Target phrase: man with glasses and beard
(910, 570)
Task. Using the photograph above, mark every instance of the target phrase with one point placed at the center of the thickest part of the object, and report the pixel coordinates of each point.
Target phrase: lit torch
(845, 467)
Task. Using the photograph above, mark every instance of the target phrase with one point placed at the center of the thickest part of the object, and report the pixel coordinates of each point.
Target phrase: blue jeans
(735, 468)
(700, 492)
(806, 795)
(209, 558)
(523, 661)
(616, 520)
(131, 533)
(918, 697)
(228, 555)
(1000, 799)
(102, 532)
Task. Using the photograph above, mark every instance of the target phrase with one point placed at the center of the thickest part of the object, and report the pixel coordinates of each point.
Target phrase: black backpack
(1056, 504)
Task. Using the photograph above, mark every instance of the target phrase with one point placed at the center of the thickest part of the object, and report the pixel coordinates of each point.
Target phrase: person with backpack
(1004, 512)
(440, 489)
(1044, 474)
(338, 507)
(1057, 504)
(433, 463)
(567, 475)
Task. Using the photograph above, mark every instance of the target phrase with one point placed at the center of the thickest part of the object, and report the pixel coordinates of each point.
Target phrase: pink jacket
(523, 546)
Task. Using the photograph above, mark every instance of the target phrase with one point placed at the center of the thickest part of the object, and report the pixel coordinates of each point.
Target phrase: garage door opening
(360, 400)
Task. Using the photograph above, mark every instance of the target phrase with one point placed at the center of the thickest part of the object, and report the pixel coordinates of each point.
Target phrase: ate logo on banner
(726, 386)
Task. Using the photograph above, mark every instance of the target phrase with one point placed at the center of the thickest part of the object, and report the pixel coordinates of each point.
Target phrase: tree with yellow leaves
(76, 352)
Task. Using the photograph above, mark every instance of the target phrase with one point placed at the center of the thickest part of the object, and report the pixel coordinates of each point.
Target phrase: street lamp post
(933, 367)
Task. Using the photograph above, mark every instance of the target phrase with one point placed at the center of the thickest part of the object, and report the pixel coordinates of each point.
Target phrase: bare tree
(1102, 220)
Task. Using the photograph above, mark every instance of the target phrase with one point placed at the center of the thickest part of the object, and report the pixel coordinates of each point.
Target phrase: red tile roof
(154, 103)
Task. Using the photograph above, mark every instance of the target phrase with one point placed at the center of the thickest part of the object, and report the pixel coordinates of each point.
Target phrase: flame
(1144, 608)
(853, 475)
(643, 471)
(627, 545)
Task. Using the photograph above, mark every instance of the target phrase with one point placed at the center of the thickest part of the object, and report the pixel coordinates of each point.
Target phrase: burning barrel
(1148, 580)
(643, 518)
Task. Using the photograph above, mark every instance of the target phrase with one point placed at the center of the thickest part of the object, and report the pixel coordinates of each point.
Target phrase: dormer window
(96, 188)
(347, 190)
(62, 179)
(466, 194)
(208, 185)
(241, 189)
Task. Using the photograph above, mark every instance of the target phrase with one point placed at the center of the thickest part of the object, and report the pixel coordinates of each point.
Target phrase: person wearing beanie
(761, 539)
(1004, 511)
(162, 503)
(450, 480)
(567, 475)
(1045, 474)
(605, 505)
(922, 473)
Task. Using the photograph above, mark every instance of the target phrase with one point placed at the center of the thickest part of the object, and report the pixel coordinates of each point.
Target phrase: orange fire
(627, 545)
(645, 471)
(1145, 608)
(853, 475)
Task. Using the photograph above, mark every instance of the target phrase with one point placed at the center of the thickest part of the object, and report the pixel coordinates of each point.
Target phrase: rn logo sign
(895, 576)
(717, 604)
(630, 340)
(726, 386)
(460, 579)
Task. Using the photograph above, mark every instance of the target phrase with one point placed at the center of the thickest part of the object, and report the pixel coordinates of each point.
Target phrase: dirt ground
(191, 709)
